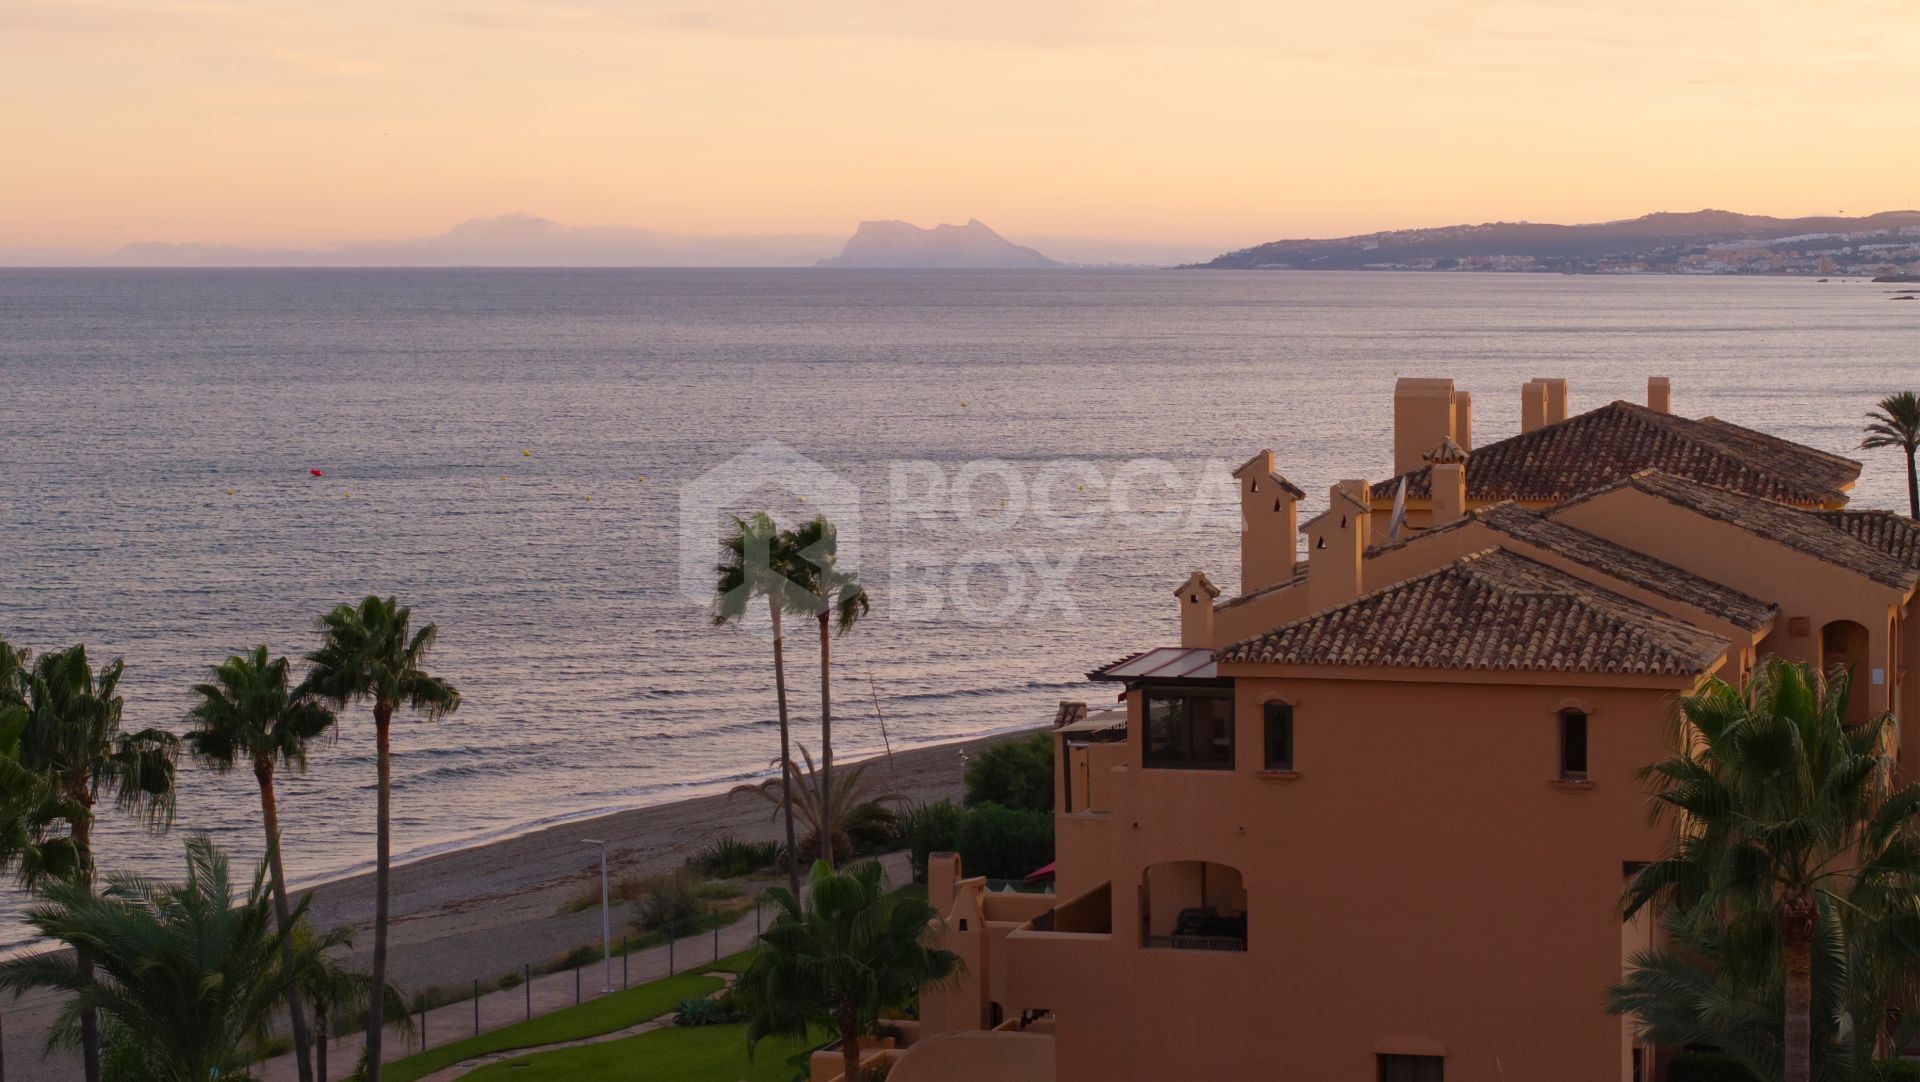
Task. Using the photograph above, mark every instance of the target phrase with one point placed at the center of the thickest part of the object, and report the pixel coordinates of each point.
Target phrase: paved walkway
(548, 993)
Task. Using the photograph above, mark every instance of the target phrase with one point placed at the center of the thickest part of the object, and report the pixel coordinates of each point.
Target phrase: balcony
(1193, 905)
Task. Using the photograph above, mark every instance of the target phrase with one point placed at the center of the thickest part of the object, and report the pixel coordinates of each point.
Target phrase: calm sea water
(1036, 457)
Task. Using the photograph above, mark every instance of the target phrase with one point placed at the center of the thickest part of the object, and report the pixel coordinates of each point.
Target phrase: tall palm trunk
(382, 877)
(81, 793)
(786, 749)
(826, 742)
(320, 1041)
(283, 916)
(849, 1042)
(1797, 920)
(1913, 487)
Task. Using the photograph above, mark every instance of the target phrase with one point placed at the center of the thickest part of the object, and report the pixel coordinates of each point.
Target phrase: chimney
(1542, 402)
(1269, 528)
(1449, 481)
(1556, 400)
(1659, 394)
(1423, 415)
(1196, 610)
(1336, 545)
(1533, 405)
(1463, 419)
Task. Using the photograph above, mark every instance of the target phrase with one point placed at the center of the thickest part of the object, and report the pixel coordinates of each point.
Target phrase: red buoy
(316, 473)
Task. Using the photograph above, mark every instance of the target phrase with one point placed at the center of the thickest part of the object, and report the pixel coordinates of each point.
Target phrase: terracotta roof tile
(1492, 611)
(1635, 568)
(1801, 531)
(1601, 446)
(1896, 535)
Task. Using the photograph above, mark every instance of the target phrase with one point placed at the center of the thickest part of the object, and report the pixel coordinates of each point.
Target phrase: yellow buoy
(589, 499)
(641, 477)
(526, 454)
(229, 492)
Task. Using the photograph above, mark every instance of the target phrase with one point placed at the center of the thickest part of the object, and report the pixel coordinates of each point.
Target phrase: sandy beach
(482, 911)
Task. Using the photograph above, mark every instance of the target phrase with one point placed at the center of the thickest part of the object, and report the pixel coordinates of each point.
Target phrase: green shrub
(573, 959)
(669, 900)
(1707, 1067)
(1896, 1071)
(1005, 843)
(930, 828)
(727, 857)
(1015, 774)
(509, 979)
(701, 1011)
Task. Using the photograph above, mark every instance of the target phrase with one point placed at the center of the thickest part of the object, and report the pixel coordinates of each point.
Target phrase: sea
(1023, 465)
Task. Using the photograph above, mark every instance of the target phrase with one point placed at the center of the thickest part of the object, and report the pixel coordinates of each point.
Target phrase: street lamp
(606, 920)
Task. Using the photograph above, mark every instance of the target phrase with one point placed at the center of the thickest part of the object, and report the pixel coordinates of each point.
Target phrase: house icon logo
(770, 477)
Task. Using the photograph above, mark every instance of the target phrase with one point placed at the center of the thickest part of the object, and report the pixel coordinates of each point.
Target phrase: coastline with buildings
(1701, 243)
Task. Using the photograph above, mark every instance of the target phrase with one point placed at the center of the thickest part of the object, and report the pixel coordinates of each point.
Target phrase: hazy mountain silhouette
(524, 240)
(902, 245)
(509, 240)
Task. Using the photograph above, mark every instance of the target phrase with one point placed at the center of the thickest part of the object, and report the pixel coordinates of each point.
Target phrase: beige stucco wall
(1413, 883)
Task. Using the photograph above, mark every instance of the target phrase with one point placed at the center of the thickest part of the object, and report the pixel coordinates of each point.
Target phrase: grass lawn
(603, 1015)
(680, 1054)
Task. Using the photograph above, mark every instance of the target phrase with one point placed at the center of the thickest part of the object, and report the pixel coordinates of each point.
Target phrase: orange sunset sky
(294, 122)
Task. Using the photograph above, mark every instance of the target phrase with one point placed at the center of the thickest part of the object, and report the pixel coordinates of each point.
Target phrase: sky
(304, 122)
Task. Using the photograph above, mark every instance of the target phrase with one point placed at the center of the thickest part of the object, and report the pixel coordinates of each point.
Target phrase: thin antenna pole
(893, 781)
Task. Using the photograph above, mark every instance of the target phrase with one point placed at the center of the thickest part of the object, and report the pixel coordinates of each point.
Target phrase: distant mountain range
(522, 240)
(902, 244)
(1707, 241)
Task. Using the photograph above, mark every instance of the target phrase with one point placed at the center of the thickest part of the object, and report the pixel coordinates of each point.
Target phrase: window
(1411, 1068)
(1189, 728)
(1573, 745)
(1279, 730)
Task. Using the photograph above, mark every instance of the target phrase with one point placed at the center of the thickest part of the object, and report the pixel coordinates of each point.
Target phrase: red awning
(1041, 873)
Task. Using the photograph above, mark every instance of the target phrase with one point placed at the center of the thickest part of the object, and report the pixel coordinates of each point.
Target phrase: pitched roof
(1264, 461)
(1494, 611)
(1448, 451)
(1618, 561)
(1601, 446)
(1896, 535)
(1801, 531)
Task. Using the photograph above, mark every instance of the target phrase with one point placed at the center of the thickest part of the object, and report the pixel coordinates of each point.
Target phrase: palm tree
(250, 712)
(755, 563)
(855, 951)
(366, 653)
(35, 814)
(187, 973)
(859, 816)
(74, 738)
(835, 596)
(1896, 423)
(1782, 812)
(339, 995)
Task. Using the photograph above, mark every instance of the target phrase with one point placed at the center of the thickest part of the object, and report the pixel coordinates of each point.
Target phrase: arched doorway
(1843, 643)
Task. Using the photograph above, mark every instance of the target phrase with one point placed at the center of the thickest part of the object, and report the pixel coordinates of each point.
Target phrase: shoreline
(686, 792)
(485, 907)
